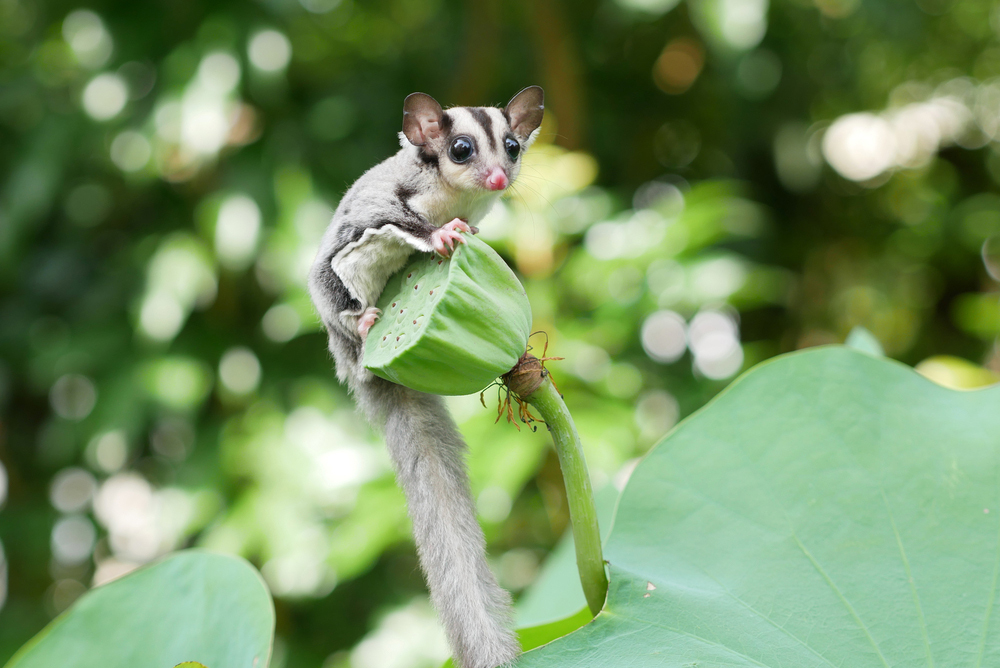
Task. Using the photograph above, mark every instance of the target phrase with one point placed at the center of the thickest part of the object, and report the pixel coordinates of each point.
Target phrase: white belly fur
(365, 265)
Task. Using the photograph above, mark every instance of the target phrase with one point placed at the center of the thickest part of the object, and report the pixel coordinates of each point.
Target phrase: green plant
(831, 508)
(192, 606)
(450, 326)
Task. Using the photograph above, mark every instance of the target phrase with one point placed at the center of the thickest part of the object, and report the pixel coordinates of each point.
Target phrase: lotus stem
(531, 382)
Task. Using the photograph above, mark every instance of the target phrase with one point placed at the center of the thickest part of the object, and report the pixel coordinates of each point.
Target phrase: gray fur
(390, 212)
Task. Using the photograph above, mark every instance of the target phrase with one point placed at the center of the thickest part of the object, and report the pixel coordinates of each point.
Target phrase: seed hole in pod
(440, 261)
(394, 305)
(384, 338)
(410, 275)
(416, 286)
(414, 322)
(431, 292)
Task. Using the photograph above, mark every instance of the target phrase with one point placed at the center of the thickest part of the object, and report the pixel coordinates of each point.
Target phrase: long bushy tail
(429, 457)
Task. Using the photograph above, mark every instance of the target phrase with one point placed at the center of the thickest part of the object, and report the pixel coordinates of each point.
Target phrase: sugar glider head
(474, 148)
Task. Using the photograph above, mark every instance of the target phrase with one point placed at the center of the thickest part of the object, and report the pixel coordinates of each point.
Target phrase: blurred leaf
(536, 636)
(863, 340)
(830, 508)
(557, 592)
(956, 373)
(191, 604)
(978, 314)
(180, 383)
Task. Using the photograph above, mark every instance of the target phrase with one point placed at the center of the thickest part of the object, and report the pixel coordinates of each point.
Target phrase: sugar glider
(452, 167)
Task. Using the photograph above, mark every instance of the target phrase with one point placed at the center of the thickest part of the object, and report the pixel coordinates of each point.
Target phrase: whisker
(524, 202)
(540, 196)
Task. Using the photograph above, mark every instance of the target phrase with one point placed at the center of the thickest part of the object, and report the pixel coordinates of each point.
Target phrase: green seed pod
(450, 326)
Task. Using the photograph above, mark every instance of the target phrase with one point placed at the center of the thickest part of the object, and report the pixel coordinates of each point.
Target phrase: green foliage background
(163, 381)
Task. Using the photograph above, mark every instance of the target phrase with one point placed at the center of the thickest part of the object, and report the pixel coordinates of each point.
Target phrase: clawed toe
(443, 239)
(366, 320)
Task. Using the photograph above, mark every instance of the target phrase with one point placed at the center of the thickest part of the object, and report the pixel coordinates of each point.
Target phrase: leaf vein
(840, 595)
(909, 579)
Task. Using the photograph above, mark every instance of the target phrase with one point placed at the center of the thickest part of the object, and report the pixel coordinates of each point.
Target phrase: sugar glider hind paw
(366, 320)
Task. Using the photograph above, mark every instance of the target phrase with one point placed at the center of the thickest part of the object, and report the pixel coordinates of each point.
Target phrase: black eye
(461, 149)
(513, 148)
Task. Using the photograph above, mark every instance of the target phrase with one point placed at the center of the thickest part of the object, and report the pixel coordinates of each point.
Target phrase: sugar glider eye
(513, 148)
(461, 149)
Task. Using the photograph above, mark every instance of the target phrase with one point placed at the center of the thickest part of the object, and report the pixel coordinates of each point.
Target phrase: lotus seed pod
(450, 326)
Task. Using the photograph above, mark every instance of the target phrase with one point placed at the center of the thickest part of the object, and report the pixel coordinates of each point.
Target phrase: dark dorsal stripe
(445, 123)
(427, 159)
(483, 118)
(404, 192)
(342, 299)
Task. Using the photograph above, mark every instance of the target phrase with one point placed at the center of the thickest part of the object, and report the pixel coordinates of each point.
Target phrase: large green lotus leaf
(450, 326)
(192, 606)
(829, 509)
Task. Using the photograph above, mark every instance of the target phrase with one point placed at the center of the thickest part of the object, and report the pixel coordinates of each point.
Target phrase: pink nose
(497, 180)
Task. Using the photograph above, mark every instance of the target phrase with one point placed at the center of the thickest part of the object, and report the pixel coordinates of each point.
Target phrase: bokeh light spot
(991, 256)
(219, 72)
(493, 504)
(237, 230)
(518, 568)
(758, 74)
(161, 316)
(86, 35)
(73, 396)
(649, 6)
(269, 51)
(656, 412)
(71, 490)
(676, 144)
(623, 380)
(178, 382)
(590, 363)
(295, 574)
(3, 577)
(73, 540)
(281, 323)
(678, 65)
(319, 6)
(664, 336)
(64, 593)
(130, 151)
(713, 337)
(410, 636)
(105, 96)
(172, 438)
(743, 22)
(107, 452)
(239, 370)
(797, 157)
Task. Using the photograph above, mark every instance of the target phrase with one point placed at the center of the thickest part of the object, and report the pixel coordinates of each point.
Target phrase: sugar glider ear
(524, 111)
(421, 118)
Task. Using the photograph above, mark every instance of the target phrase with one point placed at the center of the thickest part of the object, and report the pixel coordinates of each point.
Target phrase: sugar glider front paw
(366, 320)
(443, 238)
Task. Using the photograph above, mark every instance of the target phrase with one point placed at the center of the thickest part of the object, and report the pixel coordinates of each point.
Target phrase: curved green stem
(582, 512)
